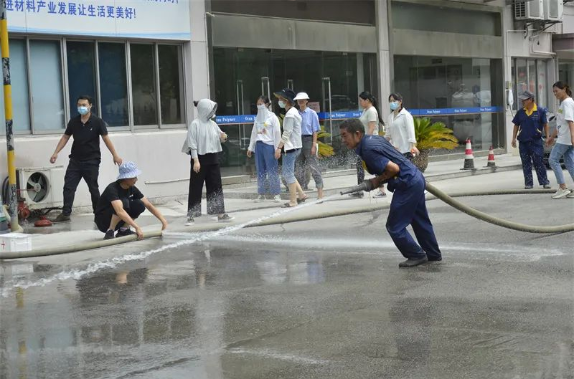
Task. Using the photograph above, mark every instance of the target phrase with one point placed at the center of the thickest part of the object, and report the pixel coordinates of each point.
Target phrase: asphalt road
(317, 299)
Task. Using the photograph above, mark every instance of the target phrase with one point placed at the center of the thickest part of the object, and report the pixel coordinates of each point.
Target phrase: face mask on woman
(282, 104)
(394, 105)
(261, 107)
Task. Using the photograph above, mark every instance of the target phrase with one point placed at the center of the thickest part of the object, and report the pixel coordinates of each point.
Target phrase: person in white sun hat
(308, 158)
(121, 203)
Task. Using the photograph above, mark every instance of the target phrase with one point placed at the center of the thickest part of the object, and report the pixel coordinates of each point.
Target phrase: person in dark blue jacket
(529, 123)
(408, 206)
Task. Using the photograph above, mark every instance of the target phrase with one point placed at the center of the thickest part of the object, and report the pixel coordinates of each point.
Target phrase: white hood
(206, 109)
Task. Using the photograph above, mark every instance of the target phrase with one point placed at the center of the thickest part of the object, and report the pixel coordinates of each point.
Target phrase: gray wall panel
(274, 33)
(414, 42)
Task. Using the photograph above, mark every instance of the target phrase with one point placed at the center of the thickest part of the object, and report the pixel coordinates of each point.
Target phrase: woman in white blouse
(203, 143)
(401, 128)
(265, 138)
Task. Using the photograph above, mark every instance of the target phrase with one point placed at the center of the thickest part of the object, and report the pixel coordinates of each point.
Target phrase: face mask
(261, 107)
(281, 104)
(83, 110)
(394, 105)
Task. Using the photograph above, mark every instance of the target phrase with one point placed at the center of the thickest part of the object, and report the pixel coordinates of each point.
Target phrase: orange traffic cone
(468, 157)
(491, 162)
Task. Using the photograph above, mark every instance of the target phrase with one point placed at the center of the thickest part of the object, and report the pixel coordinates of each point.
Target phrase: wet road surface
(318, 299)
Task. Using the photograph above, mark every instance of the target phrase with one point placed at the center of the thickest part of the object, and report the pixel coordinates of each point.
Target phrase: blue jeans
(289, 159)
(267, 169)
(408, 207)
(558, 151)
(533, 152)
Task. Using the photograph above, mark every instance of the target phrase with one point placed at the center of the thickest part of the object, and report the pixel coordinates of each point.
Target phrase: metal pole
(12, 195)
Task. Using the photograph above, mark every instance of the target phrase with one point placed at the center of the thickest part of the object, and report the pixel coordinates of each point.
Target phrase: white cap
(302, 96)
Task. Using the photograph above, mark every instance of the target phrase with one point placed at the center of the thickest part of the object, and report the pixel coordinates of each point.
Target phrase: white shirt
(370, 115)
(292, 130)
(268, 131)
(401, 131)
(565, 114)
(203, 134)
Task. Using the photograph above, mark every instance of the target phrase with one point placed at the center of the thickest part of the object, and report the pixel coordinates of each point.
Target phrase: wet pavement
(315, 299)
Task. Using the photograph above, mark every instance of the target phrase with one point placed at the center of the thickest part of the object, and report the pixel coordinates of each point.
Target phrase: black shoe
(413, 262)
(434, 259)
(126, 232)
(358, 195)
(109, 235)
(61, 218)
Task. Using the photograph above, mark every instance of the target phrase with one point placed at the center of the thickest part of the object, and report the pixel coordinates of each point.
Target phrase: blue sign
(249, 119)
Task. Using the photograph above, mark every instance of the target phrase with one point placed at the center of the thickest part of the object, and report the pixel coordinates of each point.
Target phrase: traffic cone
(468, 157)
(3, 220)
(491, 162)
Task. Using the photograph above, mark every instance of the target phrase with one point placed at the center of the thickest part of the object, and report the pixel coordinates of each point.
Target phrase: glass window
(541, 96)
(144, 93)
(19, 79)
(532, 76)
(113, 84)
(46, 84)
(81, 73)
(170, 89)
(461, 83)
(566, 71)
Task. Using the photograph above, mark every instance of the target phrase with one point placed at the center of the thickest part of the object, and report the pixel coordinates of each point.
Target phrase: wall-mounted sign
(152, 19)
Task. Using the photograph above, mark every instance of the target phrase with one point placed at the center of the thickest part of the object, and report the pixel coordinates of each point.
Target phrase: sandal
(299, 201)
(288, 205)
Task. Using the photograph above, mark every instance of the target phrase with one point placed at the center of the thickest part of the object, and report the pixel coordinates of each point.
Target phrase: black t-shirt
(86, 136)
(114, 191)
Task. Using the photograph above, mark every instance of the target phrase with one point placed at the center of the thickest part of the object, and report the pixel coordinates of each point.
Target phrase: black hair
(368, 96)
(353, 125)
(265, 99)
(85, 97)
(563, 86)
(195, 102)
(398, 97)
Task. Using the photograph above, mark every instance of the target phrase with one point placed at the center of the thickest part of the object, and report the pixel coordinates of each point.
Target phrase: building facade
(145, 62)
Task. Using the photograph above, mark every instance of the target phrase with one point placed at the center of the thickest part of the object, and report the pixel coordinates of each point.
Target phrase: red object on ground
(43, 221)
(23, 210)
(491, 162)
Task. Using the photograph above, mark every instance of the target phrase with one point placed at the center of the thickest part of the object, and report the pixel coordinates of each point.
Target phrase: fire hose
(367, 186)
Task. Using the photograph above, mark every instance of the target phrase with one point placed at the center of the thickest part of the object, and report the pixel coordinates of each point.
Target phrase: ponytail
(368, 96)
(563, 86)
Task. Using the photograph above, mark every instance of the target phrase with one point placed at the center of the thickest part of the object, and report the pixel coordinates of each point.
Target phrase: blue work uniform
(408, 206)
(530, 128)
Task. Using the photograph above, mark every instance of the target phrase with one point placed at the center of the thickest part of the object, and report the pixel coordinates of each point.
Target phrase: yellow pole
(8, 113)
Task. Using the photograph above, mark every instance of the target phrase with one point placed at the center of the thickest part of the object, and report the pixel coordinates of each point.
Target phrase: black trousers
(134, 208)
(77, 170)
(210, 174)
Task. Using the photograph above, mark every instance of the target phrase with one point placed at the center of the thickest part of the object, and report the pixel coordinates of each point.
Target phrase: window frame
(131, 127)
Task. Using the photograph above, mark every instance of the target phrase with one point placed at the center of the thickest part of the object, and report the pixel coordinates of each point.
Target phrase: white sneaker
(259, 199)
(277, 198)
(224, 218)
(560, 193)
(570, 195)
(190, 221)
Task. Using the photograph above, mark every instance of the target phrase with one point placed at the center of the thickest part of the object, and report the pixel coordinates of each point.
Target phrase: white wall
(157, 153)
(568, 22)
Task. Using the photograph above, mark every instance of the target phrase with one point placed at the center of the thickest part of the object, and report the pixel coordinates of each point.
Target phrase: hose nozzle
(365, 186)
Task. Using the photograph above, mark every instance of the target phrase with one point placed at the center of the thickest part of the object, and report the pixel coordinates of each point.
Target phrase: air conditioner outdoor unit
(529, 10)
(41, 187)
(553, 10)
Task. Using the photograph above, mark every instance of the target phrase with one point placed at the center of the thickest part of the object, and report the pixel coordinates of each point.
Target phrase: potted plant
(431, 136)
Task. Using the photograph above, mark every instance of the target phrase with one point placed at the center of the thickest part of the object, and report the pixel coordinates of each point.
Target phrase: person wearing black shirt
(121, 203)
(85, 158)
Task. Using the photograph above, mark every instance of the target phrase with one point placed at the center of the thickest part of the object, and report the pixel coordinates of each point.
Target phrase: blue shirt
(376, 153)
(530, 127)
(310, 123)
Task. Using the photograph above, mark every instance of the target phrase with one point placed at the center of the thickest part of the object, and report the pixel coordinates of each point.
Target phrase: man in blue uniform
(528, 125)
(408, 206)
